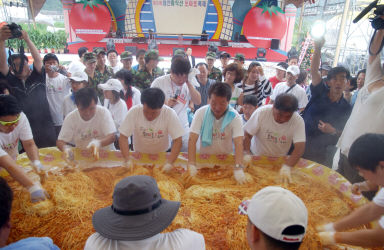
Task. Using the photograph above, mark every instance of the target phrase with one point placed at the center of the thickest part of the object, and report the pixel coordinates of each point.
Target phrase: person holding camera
(28, 86)
(179, 89)
(57, 87)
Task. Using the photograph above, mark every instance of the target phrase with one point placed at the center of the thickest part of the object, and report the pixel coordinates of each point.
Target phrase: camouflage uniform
(215, 74)
(143, 78)
(99, 78)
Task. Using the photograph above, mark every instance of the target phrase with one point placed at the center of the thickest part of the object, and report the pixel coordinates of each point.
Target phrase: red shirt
(274, 81)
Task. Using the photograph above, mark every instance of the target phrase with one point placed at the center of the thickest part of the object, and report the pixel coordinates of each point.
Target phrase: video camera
(15, 30)
(376, 21)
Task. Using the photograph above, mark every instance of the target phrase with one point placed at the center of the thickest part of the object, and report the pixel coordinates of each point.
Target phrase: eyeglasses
(8, 124)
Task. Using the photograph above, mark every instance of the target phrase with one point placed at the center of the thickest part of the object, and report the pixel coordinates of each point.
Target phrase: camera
(376, 21)
(15, 30)
(54, 68)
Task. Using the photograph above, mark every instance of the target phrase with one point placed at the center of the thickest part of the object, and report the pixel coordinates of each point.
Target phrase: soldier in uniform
(213, 72)
(144, 77)
(240, 59)
(102, 72)
(126, 59)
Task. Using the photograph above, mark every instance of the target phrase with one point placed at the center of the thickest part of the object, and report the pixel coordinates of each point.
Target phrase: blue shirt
(33, 243)
(320, 107)
(136, 67)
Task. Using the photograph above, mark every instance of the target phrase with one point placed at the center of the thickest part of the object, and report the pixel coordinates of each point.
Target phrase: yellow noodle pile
(209, 204)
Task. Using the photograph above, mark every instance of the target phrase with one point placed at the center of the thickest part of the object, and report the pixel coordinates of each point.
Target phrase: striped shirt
(264, 89)
(203, 90)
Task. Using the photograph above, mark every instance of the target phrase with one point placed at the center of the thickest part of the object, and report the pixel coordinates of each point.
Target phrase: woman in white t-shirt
(129, 94)
(112, 100)
(234, 74)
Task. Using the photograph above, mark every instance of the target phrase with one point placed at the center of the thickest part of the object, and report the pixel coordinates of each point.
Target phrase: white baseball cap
(273, 209)
(111, 84)
(294, 70)
(79, 76)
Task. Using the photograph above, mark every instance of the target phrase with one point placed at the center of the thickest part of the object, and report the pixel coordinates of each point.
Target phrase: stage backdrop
(179, 17)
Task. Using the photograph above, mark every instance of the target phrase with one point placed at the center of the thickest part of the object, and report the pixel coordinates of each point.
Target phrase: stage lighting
(318, 29)
(260, 55)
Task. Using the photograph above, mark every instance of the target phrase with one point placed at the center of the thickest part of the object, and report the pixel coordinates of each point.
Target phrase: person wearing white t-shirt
(113, 62)
(273, 129)
(178, 88)
(366, 155)
(78, 80)
(217, 125)
(291, 87)
(89, 126)
(112, 100)
(368, 112)
(151, 124)
(57, 87)
(14, 127)
(232, 75)
(136, 219)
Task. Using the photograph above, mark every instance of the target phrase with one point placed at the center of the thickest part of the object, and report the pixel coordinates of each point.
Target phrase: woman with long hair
(255, 83)
(129, 94)
(232, 75)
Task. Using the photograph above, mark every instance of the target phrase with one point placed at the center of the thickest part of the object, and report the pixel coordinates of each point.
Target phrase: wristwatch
(239, 166)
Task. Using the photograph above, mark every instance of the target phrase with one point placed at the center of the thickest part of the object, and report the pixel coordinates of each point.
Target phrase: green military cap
(210, 55)
(89, 57)
(239, 57)
(180, 52)
(151, 55)
(225, 54)
(99, 51)
(126, 55)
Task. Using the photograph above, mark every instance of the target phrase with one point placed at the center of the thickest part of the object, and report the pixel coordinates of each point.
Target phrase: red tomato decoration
(266, 22)
(90, 20)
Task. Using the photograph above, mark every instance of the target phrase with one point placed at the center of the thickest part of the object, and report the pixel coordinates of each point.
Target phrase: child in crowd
(78, 81)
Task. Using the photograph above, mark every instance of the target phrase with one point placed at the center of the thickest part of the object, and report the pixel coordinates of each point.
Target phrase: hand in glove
(326, 228)
(192, 170)
(192, 74)
(239, 176)
(94, 145)
(69, 155)
(166, 168)
(37, 193)
(128, 164)
(40, 170)
(327, 238)
(285, 175)
(247, 160)
(359, 187)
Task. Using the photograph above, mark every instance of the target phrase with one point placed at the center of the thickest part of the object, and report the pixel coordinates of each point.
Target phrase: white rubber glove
(69, 155)
(327, 238)
(192, 74)
(38, 166)
(192, 170)
(329, 227)
(128, 164)
(247, 160)
(239, 176)
(285, 175)
(37, 193)
(359, 187)
(167, 168)
(95, 146)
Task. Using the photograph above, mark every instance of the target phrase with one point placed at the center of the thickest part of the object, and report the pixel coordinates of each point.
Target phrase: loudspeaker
(275, 44)
(174, 49)
(243, 38)
(223, 43)
(195, 42)
(131, 49)
(139, 40)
